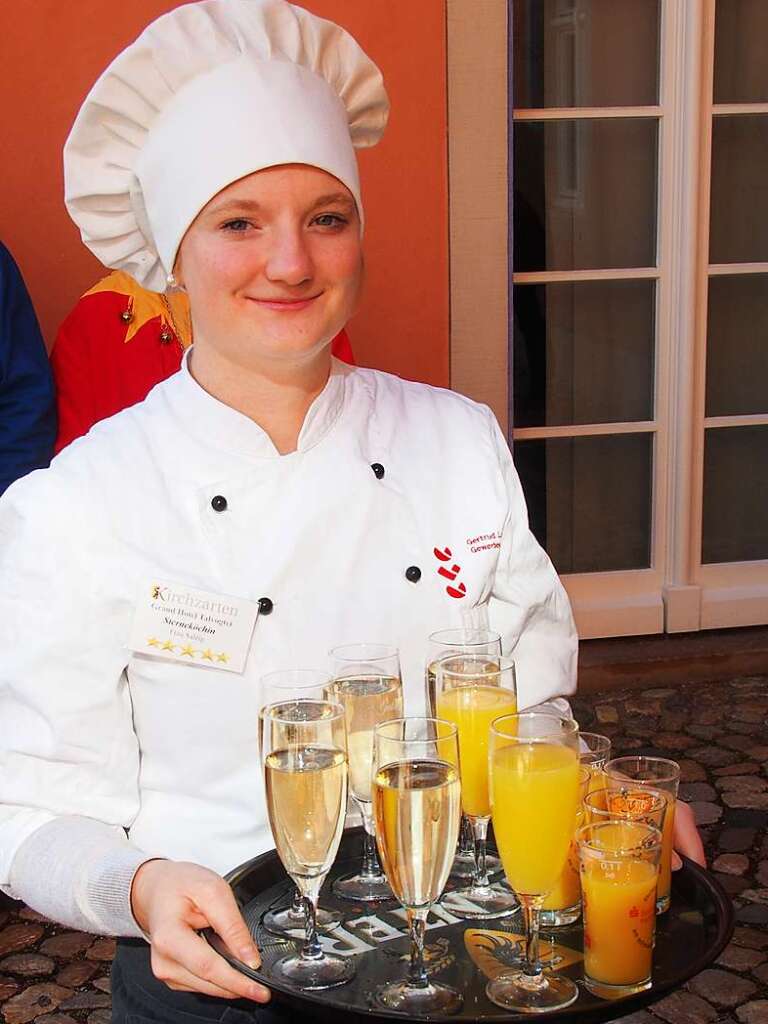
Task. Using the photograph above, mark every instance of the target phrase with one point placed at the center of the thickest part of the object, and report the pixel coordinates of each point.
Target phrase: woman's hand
(170, 901)
(686, 837)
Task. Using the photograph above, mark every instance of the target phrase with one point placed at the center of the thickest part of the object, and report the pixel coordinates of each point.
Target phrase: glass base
(525, 993)
(432, 998)
(327, 971)
(604, 991)
(480, 904)
(363, 888)
(289, 922)
(463, 869)
(560, 918)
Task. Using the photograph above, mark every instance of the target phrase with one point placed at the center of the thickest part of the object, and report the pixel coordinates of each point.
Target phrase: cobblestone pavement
(718, 733)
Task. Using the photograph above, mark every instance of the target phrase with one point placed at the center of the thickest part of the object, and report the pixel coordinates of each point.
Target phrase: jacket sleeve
(68, 750)
(528, 604)
(27, 411)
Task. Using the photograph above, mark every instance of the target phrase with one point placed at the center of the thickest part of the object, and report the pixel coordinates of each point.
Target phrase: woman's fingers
(182, 959)
(219, 906)
(686, 836)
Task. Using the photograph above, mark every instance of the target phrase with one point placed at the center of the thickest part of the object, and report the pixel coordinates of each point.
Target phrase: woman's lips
(285, 305)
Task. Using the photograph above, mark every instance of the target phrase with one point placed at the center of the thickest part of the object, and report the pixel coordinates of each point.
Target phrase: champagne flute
(535, 797)
(416, 800)
(304, 754)
(443, 643)
(366, 682)
(473, 690)
(276, 687)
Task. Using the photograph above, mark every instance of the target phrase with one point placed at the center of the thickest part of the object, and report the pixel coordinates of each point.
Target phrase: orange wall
(50, 54)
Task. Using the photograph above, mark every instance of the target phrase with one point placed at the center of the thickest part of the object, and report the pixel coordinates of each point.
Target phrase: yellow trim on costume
(146, 305)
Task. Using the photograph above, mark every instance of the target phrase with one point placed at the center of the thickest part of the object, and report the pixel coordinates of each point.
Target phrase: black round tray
(465, 954)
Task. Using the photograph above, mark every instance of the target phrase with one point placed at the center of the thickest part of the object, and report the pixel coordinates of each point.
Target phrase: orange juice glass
(661, 775)
(595, 752)
(562, 905)
(619, 862)
(471, 691)
(535, 777)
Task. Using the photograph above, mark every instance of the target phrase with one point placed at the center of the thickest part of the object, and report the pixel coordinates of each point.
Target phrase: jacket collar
(218, 424)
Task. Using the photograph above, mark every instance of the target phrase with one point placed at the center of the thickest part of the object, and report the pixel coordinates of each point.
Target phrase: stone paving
(719, 734)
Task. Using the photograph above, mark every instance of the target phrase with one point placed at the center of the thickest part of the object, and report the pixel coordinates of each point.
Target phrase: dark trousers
(138, 997)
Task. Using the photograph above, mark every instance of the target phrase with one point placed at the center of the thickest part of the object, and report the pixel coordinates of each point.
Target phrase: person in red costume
(116, 344)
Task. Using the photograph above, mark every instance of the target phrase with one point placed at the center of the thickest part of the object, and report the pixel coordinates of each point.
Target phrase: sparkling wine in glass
(473, 690)
(535, 790)
(304, 755)
(445, 643)
(416, 799)
(366, 682)
(276, 687)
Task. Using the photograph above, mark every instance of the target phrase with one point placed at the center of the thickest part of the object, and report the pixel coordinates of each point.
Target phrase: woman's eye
(330, 220)
(237, 225)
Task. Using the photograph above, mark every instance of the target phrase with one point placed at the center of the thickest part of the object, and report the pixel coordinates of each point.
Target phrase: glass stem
(417, 972)
(466, 838)
(371, 867)
(480, 829)
(531, 916)
(298, 909)
(311, 949)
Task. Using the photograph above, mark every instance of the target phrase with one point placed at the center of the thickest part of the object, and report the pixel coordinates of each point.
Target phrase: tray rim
(612, 1008)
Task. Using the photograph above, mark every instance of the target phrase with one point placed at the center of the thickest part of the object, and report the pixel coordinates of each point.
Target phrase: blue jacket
(27, 405)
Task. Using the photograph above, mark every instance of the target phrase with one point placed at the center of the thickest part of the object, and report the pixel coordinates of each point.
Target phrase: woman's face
(273, 265)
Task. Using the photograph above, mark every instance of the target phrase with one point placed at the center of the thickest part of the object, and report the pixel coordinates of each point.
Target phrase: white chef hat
(208, 93)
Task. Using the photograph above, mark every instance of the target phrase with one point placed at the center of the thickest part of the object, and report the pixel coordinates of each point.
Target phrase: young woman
(265, 477)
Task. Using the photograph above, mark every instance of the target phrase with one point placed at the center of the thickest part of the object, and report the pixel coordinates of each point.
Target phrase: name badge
(178, 623)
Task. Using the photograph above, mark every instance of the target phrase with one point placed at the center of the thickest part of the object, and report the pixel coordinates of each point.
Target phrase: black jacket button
(378, 470)
(219, 503)
(413, 574)
(265, 606)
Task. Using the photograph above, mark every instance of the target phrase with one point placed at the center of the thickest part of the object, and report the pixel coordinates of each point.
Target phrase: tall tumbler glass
(595, 753)
(663, 775)
(416, 799)
(366, 682)
(619, 874)
(535, 782)
(442, 644)
(473, 690)
(304, 752)
(276, 688)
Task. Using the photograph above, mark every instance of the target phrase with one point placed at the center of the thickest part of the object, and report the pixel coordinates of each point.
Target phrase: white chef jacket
(169, 751)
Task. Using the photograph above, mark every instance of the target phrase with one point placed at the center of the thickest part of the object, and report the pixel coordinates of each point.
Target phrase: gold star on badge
(168, 646)
(189, 650)
(207, 654)
(153, 642)
(222, 657)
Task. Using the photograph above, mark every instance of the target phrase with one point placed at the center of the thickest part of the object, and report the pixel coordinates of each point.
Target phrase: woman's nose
(289, 258)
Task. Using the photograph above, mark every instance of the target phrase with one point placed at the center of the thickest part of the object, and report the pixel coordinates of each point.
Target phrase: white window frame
(677, 593)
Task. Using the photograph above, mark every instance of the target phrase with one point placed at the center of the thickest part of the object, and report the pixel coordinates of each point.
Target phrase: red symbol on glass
(634, 912)
(459, 591)
(443, 554)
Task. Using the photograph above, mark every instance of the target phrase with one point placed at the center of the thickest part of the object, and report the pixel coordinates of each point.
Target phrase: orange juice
(619, 907)
(534, 800)
(567, 890)
(472, 708)
(596, 778)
